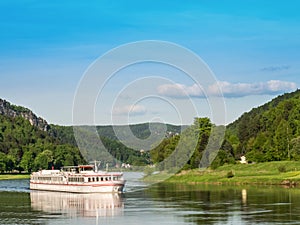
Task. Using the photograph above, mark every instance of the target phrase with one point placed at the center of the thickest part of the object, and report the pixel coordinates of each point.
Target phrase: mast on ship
(96, 167)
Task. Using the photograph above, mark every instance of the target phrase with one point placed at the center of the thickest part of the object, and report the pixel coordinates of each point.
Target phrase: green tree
(3, 160)
(43, 160)
(295, 148)
(69, 160)
(281, 141)
(27, 162)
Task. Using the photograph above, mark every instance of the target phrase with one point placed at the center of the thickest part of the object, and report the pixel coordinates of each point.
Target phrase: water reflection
(213, 204)
(77, 205)
(244, 197)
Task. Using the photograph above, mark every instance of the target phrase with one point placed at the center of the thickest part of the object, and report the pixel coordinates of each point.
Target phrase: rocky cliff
(10, 110)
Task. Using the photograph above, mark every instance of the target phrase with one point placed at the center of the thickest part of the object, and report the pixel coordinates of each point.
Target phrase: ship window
(101, 178)
(89, 180)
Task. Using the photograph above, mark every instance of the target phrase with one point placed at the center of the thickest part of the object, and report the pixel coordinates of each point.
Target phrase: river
(159, 204)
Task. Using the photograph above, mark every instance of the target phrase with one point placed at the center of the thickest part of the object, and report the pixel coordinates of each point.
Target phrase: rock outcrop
(10, 110)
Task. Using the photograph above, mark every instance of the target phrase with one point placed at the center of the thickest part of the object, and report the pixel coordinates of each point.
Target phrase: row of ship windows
(96, 179)
(48, 178)
(76, 179)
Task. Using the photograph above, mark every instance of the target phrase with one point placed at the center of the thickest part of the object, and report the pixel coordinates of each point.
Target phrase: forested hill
(26, 145)
(270, 132)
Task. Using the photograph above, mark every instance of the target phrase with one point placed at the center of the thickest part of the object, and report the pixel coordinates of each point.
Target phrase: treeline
(190, 156)
(24, 147)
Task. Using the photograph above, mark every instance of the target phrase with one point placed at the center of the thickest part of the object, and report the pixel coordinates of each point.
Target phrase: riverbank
(12, 176)
(268, 173)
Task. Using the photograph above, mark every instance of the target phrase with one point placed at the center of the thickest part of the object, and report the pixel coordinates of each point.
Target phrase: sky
(252, 49)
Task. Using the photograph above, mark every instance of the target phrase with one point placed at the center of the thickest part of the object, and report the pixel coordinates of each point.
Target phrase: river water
(158, 204)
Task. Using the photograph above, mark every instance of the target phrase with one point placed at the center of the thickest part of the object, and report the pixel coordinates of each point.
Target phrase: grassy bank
(284, 172)
(14, 176)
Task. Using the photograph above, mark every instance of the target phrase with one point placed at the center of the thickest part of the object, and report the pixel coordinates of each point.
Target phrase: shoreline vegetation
(285, 173)
(13, 176)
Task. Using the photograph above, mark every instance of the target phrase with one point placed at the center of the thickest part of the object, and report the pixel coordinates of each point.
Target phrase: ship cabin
(76, 174)
(88, 173)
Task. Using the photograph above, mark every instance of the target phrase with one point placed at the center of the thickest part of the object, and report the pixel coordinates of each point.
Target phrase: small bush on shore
(282, 169)
(230, 174)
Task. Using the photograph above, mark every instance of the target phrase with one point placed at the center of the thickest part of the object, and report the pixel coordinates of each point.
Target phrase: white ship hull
(103, 188)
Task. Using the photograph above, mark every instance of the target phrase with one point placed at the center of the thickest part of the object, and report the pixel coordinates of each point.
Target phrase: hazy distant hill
(269, 132)
(124, 143)
(140, 131)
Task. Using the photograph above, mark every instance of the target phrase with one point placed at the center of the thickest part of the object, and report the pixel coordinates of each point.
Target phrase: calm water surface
(158, 204)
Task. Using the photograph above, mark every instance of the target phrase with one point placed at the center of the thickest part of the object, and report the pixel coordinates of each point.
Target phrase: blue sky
(253, 48)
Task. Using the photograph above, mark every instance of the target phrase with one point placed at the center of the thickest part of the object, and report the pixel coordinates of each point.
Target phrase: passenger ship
(78, 179)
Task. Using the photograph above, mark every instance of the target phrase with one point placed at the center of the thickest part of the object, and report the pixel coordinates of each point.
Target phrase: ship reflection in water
(78, 205)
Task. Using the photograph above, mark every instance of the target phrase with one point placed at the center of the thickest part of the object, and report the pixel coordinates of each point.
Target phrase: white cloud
(130, 109)
(228, 89)
(180, 90)
(277, 86)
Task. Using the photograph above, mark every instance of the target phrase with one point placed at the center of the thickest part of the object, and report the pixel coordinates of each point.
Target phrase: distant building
(126, 165)
(243, 160)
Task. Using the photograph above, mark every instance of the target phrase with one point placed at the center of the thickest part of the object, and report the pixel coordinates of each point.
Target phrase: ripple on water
(20, 185)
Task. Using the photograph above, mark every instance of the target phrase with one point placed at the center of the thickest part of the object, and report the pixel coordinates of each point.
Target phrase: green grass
(260, 173)
(159, 177)
(14, 176)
